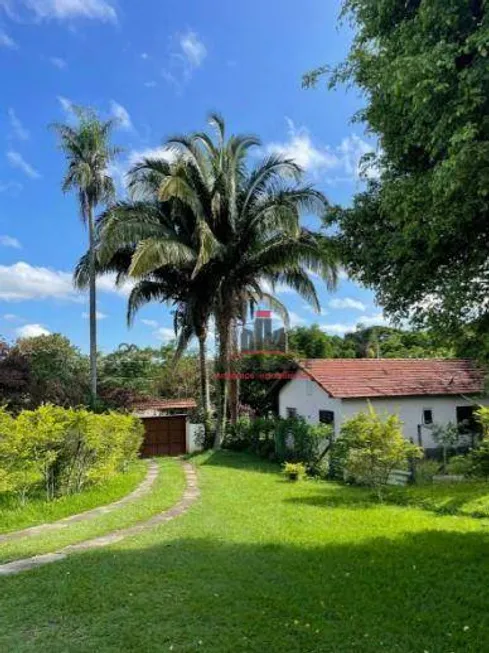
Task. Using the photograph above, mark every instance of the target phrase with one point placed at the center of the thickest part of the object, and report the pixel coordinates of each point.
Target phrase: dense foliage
(291, 440)
(63, 450)
(370, 342)
(49, 369)
(418, 233)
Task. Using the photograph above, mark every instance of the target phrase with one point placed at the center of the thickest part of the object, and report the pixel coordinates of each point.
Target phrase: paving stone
(189, 497)
(143, 488)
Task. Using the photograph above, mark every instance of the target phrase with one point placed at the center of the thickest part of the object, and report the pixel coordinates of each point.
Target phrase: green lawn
(165, 491)
(468, 498)
(14, 516)
(259, 564)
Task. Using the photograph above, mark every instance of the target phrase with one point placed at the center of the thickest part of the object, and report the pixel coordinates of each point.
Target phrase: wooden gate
(164, 436)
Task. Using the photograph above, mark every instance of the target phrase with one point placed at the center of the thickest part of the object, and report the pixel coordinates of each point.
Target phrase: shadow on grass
(239, 460)
(419, 592)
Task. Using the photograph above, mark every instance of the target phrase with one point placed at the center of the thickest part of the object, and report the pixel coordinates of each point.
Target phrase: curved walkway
(143, 488)
(190, 495)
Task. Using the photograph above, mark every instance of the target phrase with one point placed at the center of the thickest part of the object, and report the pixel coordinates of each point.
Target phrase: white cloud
(344, 159)
(67, 9)
(122, 116)
(193, 48)
(9, 241)
(58, 62)
(300, 148)
(296, 319)
(98, 316)
(11, 317)
(352, 150)
(22, 281)
(187, 54)
(164, 334)
(18, 129)
(150, 153)
(7, 42)
(364, 320)
(66, 105)
(150, 323)
(32, 331)
(338, 329)
(347, 302)
(16, 160)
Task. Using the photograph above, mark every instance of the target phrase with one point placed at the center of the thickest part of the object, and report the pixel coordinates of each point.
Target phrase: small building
(422, 392)
(168, 429)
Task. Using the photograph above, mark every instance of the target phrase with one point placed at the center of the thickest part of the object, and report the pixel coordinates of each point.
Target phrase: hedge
(61, 451)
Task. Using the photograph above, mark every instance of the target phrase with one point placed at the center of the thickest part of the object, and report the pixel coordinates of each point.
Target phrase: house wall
(193, 433)
(309, 398)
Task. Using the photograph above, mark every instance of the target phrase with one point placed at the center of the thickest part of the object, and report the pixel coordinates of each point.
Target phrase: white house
(421, 391)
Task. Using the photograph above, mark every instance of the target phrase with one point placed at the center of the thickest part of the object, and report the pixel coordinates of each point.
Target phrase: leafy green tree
(418, 233)
(312, 342)
(89, 154)
(247, 219)
(58, 372)
(207, 230)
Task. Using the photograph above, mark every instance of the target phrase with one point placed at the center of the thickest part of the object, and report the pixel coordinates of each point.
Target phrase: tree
(89, 153)
(418, 233)
(58, 372)
(147, 233)
(247, 230)
(312, 342)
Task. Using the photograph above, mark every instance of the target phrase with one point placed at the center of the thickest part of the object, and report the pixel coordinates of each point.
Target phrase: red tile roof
(165, 404)
(394, 377)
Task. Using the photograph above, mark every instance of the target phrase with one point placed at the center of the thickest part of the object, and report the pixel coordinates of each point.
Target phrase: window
(326, 417)
(291, 412)
(466, 420)
(427, 416)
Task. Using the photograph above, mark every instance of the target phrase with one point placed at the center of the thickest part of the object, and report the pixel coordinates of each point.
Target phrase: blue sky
(160, 71)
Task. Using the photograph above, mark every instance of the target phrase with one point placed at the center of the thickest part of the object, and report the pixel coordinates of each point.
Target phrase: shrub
(460, 465)
(370, 448)
(291, 440)
(480, 460)
(294, 471)
(425, 470)
(63, 450)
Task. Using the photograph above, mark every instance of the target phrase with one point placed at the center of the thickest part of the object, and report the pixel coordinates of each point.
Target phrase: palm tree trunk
(204, 385)
(93, 311)
(233, 381)
(223, 323)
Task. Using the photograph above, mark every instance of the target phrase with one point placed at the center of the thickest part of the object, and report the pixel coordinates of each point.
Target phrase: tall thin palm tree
(89, 152)
(247, 230)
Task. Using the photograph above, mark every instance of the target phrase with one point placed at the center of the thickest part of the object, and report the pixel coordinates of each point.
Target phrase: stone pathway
(190, 495)
(143, 488)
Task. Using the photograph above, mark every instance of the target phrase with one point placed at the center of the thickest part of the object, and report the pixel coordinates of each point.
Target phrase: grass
(166, 490)
(262, 564)
(15, 516)
(469, 498)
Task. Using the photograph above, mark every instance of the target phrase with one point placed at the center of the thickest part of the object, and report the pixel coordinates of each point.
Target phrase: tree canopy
(418, 233)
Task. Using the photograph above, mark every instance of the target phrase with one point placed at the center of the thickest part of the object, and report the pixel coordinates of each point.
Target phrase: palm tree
(247, 230)
(89, 153)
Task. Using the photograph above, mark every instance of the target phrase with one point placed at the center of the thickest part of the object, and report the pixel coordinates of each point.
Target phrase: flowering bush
(63, 450)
